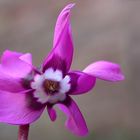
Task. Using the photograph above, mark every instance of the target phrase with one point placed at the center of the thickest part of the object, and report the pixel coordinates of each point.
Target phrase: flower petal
(62, 21)
(14, 109)
(51, 112)
(80, 82)
(16, 64)
(8, 83)
(27, 58)
(61, 55)
(105, 70)
(75, 121)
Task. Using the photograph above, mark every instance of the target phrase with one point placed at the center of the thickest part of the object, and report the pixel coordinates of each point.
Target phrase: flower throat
(51, 86)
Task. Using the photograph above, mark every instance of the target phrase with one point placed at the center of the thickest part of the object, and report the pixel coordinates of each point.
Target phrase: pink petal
(62, 21)
(9, 83)
(26, 58)
(52, 113)
(75, 121)
(81, 82)
(14, 109)
(105, 70)
(16, 64)
(61, 55)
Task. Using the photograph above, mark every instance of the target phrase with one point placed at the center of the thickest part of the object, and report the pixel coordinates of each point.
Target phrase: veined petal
(105, 70)
(16, 64)
(14, 109)
(75, 121)
(61, 55)
(80, 82)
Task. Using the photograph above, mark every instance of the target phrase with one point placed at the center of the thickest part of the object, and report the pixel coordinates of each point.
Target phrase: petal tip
(121, 78)
(69, 7)
(83, 133)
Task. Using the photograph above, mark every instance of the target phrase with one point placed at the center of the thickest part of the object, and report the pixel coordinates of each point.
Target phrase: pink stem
(23, 132)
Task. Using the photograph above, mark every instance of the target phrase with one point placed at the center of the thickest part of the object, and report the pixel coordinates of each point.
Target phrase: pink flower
(26, 91)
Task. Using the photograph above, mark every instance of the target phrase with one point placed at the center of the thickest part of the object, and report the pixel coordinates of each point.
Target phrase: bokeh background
(102, 30)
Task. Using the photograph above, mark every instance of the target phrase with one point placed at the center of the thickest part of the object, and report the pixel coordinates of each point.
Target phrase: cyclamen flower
(26, 91)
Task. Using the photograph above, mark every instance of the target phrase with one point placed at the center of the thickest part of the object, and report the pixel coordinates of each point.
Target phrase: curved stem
(23, 132)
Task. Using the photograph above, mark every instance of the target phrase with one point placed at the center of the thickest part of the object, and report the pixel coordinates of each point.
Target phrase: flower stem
(23, 132)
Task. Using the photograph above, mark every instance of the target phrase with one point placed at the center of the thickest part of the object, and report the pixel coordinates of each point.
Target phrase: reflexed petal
(75, 121)
(105, 70)
(14, 109)
(80, 82)
(16, 64)
(52, 113)
(61, 55)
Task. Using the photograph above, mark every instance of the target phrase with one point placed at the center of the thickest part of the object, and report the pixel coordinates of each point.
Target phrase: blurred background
(102, 30)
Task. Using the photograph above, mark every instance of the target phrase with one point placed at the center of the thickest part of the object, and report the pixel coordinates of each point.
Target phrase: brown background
(102, 30)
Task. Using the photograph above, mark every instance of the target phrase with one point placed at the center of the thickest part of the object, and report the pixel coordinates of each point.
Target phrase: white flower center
(50, 86)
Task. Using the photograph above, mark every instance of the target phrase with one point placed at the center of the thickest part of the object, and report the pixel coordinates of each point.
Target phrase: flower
(26, 91)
